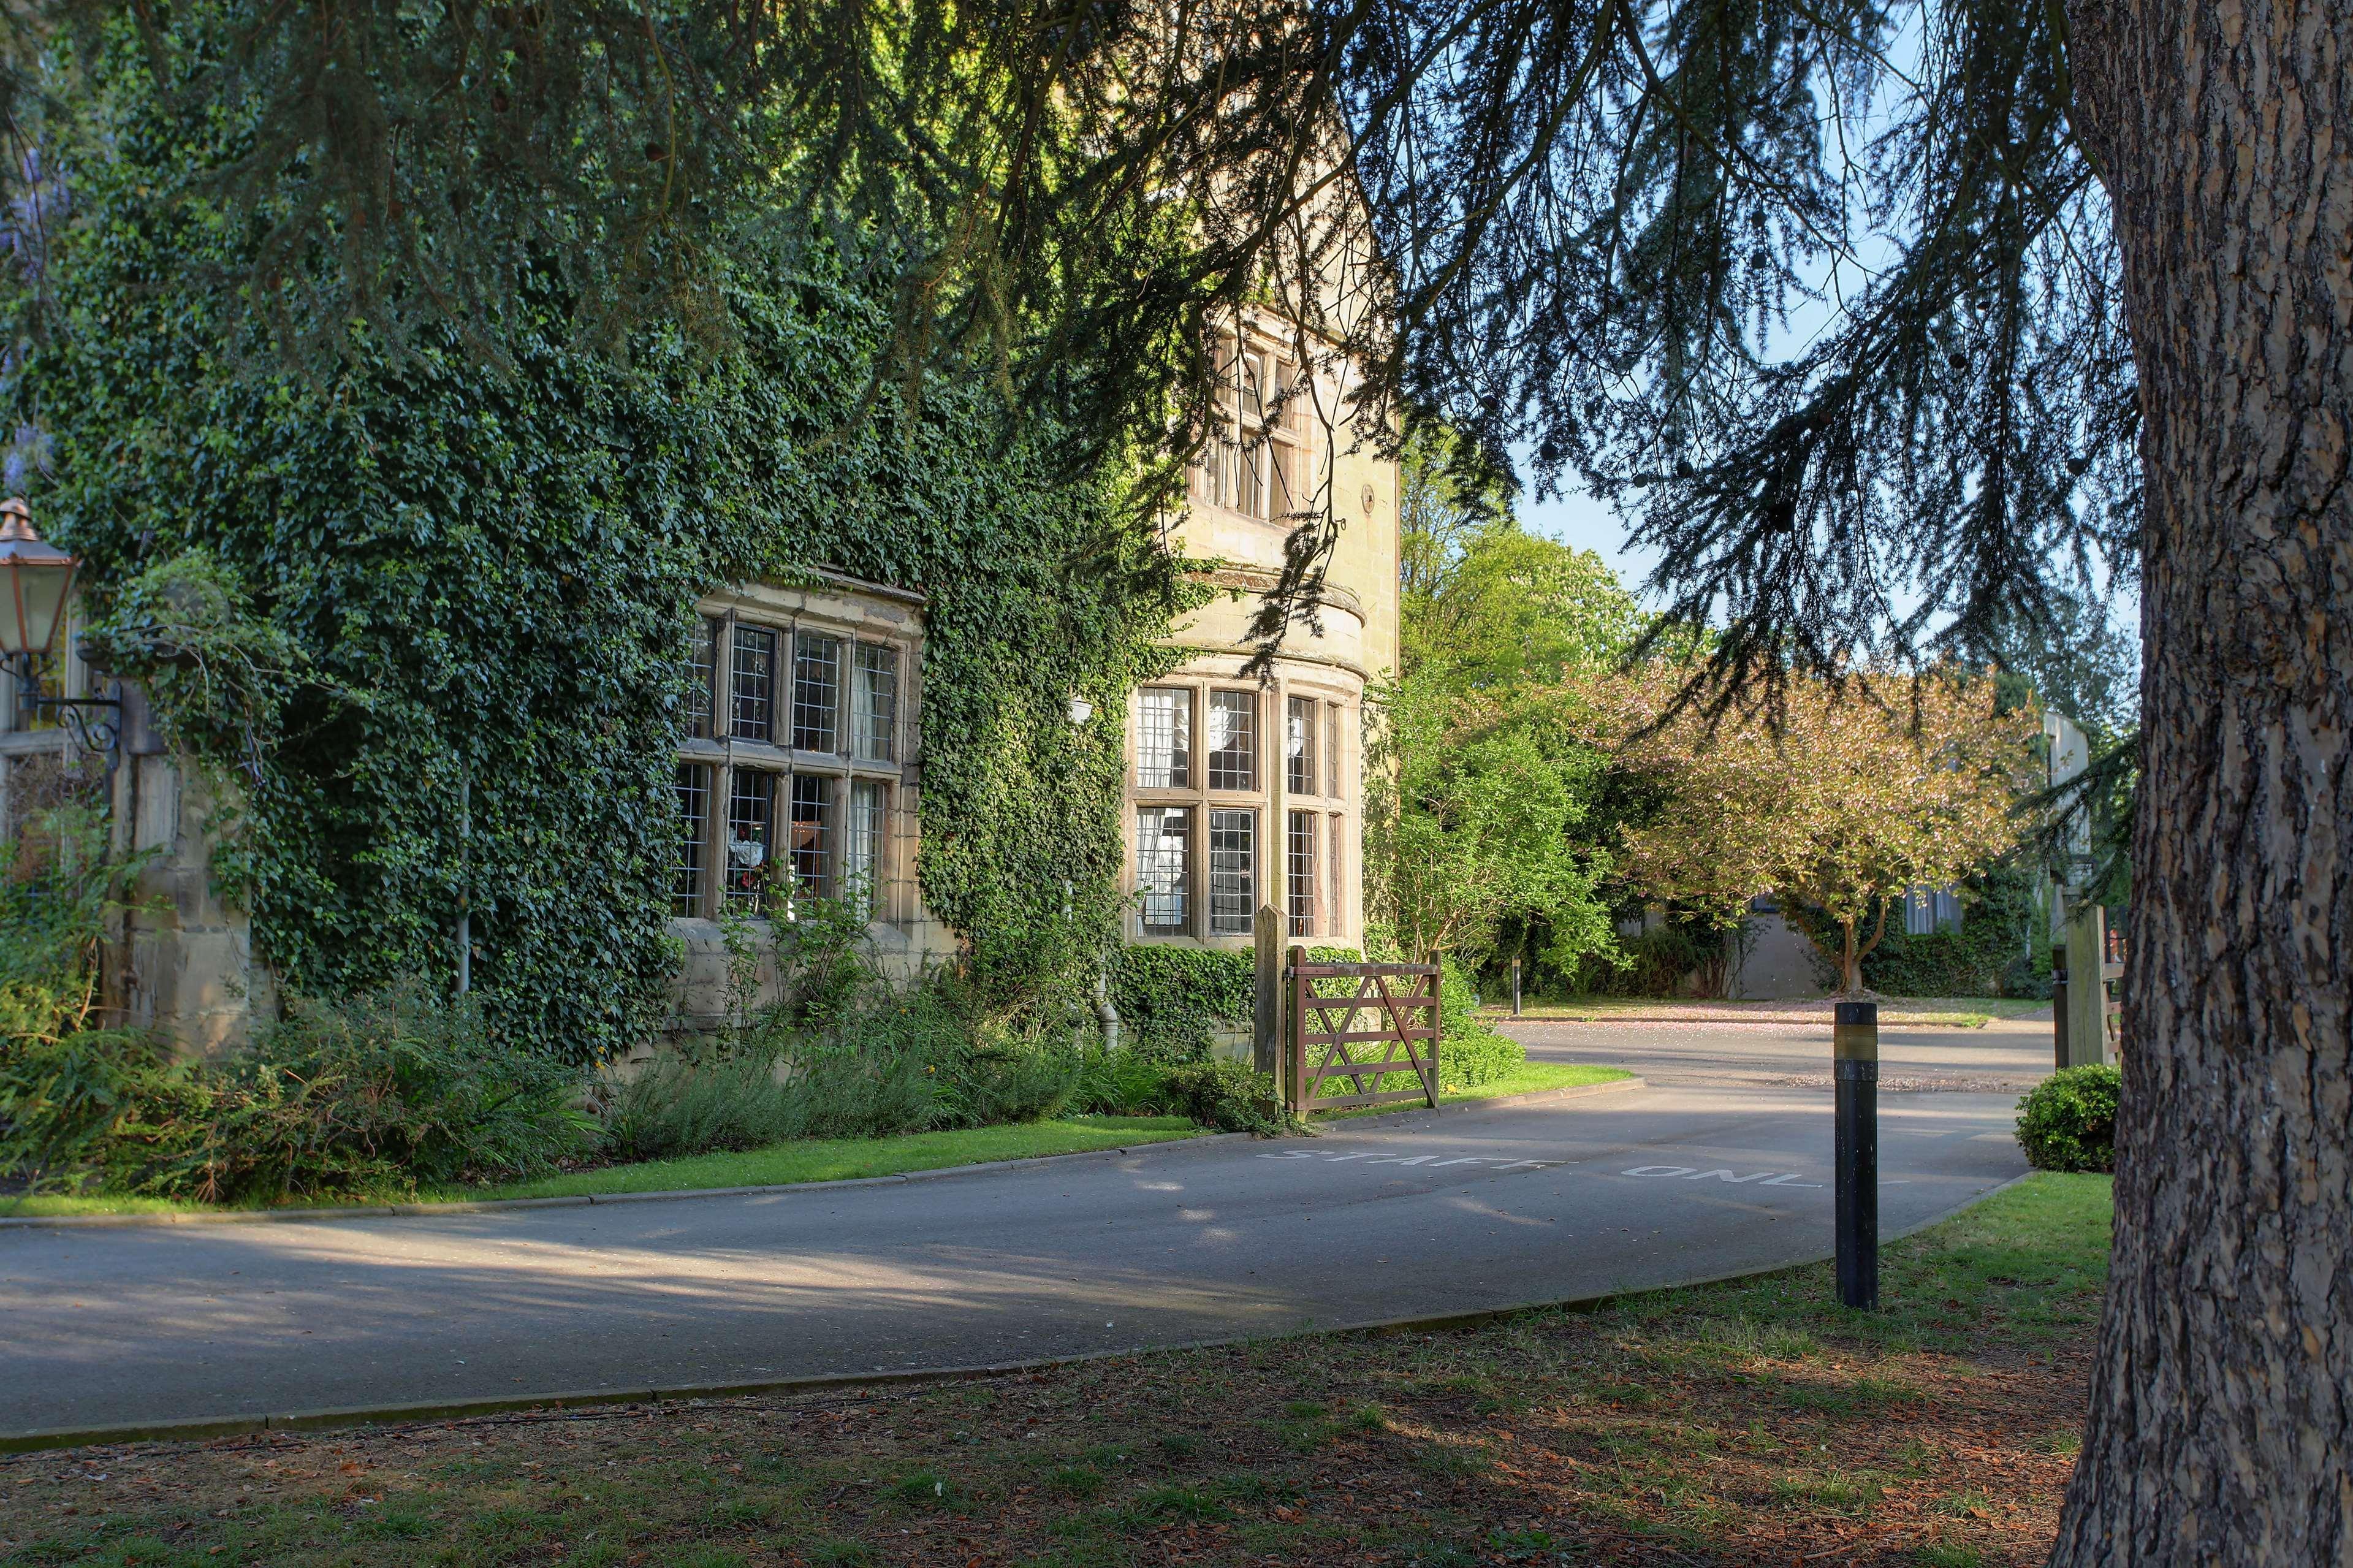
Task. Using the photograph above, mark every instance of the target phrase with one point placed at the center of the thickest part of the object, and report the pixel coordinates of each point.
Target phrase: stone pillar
(2087, 998)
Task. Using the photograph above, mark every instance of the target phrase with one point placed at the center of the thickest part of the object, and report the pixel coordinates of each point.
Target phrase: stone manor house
(800, 766)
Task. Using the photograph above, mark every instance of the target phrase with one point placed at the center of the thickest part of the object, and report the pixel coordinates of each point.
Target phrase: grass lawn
(1744, 1424)
(1528, 1078)
(816, 1159)
(1907, 1011)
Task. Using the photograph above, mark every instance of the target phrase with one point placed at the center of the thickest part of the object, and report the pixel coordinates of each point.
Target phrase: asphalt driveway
(1427, 1214)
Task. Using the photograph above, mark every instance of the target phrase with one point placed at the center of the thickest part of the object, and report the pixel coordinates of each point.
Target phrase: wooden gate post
(1266, 1021)
(2086, 999)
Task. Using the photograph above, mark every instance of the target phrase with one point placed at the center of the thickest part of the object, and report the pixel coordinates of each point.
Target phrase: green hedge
(1987, 955)
(1172, 1000)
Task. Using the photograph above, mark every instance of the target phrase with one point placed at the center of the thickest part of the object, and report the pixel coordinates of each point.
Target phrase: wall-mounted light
(36, 579)
(1081, 710)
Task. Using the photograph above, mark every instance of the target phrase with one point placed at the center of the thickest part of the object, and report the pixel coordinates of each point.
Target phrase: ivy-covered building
(800, 767)
(497, 655)
(919, 712)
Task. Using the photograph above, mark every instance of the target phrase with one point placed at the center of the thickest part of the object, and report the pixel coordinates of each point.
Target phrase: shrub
(2068, 1122)
(1465, 1060)
(1226, 1095)
(81, 1109)
(59, 890)
(1121, 1083)
(878, 1060)
(1471, 1051)
(381, 1092)
(1170, 1000)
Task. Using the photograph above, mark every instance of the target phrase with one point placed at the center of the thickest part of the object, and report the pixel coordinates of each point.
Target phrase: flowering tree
(1855, 796)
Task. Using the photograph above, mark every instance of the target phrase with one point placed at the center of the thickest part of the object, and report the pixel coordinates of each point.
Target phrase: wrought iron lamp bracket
(94, 724)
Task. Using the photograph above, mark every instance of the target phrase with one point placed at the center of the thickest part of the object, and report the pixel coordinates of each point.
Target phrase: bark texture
(2221, 1421)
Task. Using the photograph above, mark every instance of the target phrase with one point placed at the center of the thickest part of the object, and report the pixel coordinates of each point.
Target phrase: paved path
(1428, 1215)
(2007, 1056)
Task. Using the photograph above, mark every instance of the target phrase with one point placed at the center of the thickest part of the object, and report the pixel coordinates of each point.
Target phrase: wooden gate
(1401, 1037)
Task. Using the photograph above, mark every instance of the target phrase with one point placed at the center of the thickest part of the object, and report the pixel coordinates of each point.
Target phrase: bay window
(1210, 844)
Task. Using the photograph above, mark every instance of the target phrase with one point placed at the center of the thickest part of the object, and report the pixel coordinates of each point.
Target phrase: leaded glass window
(1163, 739)
(1164, 867)
(694, 812)
(1338, 861)
(876, 703)
(703, 660)
(817, 692)
(813, 835)
(1299, 745)
(1333, 714)
(861, 861)
(1233, 741)
(752, 683)
(1298, 872)
(1233, 871)
(751, 813)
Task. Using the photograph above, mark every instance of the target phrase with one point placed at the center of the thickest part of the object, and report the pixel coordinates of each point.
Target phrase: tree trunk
(1850, 962)
(2221, 1418)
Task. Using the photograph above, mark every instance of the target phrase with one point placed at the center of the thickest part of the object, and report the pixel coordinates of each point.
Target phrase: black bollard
(1855, 1044)
(1515, 988)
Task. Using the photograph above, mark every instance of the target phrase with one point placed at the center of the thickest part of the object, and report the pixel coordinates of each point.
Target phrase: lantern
(35, 579)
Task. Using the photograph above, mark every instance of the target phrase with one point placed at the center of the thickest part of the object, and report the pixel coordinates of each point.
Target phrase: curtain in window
(862, 864)
(1163, 739)
(1163, 865)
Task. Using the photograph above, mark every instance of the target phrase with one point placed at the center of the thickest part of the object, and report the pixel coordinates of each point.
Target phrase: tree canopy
(1851, 801)
(1826, 298)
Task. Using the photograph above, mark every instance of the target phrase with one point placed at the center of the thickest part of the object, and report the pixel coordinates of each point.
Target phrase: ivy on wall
(1173, 1000)
(487, 581)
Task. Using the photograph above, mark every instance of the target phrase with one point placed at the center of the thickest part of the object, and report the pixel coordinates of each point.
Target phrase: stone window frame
(1336, 718)
(857, 614)
(1275, 442)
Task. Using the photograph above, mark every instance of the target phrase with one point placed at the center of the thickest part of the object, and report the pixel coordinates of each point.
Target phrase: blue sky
(1579, 519)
